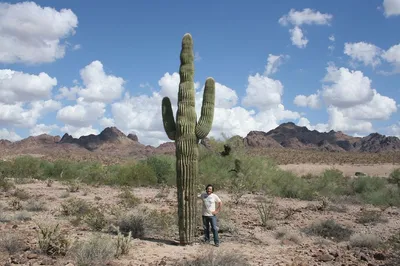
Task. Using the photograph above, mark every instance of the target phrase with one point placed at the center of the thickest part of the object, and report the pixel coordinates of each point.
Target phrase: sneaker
(217, 245)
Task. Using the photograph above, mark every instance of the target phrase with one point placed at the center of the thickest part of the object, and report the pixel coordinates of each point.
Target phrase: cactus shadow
(161, 241)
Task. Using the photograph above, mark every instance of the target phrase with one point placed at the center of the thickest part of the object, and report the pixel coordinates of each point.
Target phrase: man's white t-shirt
(209, 202)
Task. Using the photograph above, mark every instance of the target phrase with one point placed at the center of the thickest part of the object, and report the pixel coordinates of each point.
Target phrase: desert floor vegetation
(63, 212)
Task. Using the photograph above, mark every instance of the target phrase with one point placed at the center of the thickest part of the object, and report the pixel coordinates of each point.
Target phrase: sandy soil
(382, 170)
(283, 243)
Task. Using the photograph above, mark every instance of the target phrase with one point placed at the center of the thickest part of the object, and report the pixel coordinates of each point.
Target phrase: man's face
(209, 190)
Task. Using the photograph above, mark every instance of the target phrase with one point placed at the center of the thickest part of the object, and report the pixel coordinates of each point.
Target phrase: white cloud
(306, 16)
(379, 108)
(83, 114)
(77, 132)
(392, 55)
(313, 101)
(365, 52)
(98, 85)
(394, 130)
(273, 62)
(298, 38)
(263, 92)
(347, 88)
(9, 135)
(391, 7)
(332, 38)
(304, 122)
(19, 115)
(33, 34)
(106, 122)
(17, 86)
(42, 129)
(338, 121)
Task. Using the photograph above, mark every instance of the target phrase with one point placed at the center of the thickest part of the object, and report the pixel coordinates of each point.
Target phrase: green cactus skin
(187, 133)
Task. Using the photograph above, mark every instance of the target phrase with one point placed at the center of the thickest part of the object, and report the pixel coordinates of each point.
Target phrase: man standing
(211, 207)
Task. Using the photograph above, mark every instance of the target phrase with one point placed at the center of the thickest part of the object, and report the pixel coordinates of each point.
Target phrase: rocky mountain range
(115, 144)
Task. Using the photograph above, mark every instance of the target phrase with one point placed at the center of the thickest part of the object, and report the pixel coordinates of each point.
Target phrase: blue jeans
(207, 220)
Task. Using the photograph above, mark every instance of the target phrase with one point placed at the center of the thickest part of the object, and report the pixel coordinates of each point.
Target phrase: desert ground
(281, 238)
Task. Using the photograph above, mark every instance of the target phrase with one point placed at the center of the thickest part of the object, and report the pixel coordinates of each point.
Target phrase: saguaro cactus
(187, 133)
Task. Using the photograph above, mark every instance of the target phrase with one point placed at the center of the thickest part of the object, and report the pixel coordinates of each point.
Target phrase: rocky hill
(289, 135)
(113, 144)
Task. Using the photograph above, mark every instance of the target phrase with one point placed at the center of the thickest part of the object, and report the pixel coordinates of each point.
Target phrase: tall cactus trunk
(187, 132)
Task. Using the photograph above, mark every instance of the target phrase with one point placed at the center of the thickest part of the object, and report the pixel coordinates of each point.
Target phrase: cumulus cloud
(394, 130)
(313, 101)
(26, 115)
(9, 135)
(33, 34)
(345, 88)
(273, 63)
(77, 132)
(263, 92)
(392, 55)
(42, 129)
(83, 114)
(17, 86)
(305, 17)
(365, 52)
(391, 7)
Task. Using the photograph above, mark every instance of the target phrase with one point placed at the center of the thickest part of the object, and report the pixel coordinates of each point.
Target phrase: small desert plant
(73, 185)
(75, 207)
(232, 258)
(330, 229)
(5, 185)
(133, 223)
(365, 241)
(265, 210)
(283, 235)
(123, 243)
(23, 216)
(10, 242)
(21, 194)
(97, 250)
(51, 241)
(128, 199)
(370, 217)
(96, 219)
(35, 206)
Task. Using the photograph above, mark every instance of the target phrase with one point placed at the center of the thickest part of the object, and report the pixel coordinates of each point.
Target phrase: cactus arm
(168, 118)
(204, 125)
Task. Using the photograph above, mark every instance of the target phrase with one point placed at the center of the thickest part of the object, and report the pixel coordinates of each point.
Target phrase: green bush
(164, 168)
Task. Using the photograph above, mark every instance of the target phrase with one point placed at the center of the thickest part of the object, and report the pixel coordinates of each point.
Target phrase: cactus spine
(187, 132)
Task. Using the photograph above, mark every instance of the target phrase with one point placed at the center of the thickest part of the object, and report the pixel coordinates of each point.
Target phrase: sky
(75, 67)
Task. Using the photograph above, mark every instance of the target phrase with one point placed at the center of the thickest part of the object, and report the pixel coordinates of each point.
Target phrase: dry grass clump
(52, 241)
(365, 241)
(370, 217)
(12, 243)
(330, 229)
(34, 205)
(217, 258)
(285, 235)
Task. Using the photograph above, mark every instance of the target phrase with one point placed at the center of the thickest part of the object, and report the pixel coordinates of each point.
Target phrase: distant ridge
(112, 144)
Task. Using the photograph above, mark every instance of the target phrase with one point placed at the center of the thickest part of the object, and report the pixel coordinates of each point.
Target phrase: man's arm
(218, 207)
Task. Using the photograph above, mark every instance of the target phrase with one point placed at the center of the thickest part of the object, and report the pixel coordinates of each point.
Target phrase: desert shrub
(365, 241)
(331, 183)
(394, 177)
(370, 217)
(10, 242)
(132, 174)
(34, 205)
(285, 235)
(26, 167)
(221, 258)
(5, 184)
(75, 207)
(329, 229)
(52, 241)
(132, 222)
(163, 167)
(97, 250)
(265, 209)
(95, 219)
(128, 199)
(23, 216)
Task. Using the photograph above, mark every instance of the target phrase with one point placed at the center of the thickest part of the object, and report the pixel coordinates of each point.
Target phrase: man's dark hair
(209, 185)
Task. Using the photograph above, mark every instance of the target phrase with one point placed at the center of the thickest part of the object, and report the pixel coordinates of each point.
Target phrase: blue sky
(71, 66)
